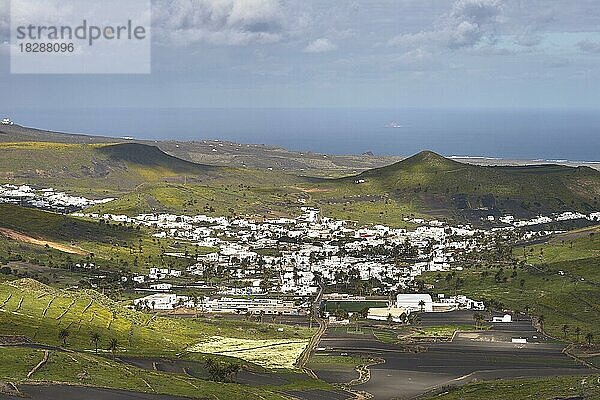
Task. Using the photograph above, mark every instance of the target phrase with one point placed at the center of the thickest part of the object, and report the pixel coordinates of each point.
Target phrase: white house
(159, 301)
(414, 302)
(6, 121)
(504, 318)
(383, 313)
(161, 286)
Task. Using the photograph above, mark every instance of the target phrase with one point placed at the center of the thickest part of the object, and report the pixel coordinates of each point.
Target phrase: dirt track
(9, 233)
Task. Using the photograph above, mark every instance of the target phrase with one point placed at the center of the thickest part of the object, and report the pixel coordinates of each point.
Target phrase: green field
(353, 306)
(40, 312)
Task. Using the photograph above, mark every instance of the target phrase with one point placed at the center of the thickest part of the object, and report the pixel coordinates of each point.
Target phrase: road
(303, 359)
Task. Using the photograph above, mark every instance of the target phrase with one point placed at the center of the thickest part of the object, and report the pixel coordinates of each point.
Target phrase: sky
(338, 53)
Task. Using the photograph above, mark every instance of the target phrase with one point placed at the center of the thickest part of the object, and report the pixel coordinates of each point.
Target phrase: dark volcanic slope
(151, 156)
(523, 190)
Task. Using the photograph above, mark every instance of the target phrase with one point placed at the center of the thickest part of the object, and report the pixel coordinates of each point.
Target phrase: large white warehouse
(415, 302)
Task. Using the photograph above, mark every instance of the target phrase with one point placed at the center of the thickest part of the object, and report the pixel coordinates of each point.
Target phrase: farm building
(503, 318)
(383, 313)
(415, 302)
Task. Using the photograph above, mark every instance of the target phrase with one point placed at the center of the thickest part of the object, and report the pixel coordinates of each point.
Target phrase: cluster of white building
(290, 255)
(226, 305)
(298, 250)
(542, 219)
(45, 198)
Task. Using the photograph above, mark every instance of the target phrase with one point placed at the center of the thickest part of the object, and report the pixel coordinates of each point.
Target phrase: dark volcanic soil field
(470, 355)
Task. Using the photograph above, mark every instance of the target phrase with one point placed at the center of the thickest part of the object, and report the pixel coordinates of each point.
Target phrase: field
(559, 282)
(39, 312)
(429, 357)
(270, 353)
(31, 312)
(352, 306)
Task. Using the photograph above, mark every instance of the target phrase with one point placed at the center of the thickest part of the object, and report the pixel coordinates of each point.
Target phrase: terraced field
(40, 312)
(36, 318)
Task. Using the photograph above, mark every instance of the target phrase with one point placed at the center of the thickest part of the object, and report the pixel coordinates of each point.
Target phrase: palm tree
(180, 302)
(390, 319)
(195, 301)
(63, 335)
(113, 346)
(478, 320)
(565, 330)
(589, 337)
(95, 339)
(577, 332)
(422, 305)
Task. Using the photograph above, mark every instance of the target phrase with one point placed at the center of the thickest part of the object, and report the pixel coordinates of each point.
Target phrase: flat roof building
(415, 302)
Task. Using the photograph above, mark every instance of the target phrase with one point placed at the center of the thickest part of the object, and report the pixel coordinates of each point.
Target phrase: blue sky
(326, 53)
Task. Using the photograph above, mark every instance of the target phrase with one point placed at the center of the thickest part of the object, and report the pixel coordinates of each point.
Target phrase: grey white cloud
(589, 46)
(321, 45)
(222, 22)
(466, 24)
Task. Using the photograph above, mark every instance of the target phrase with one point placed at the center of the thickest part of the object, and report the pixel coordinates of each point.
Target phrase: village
(277, 266)
(46, 198)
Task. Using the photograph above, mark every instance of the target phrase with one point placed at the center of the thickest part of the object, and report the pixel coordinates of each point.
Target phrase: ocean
(496, 133)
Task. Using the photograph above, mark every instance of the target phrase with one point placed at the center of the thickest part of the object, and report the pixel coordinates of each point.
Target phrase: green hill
(60, 241)
(145, 179)
(39, 312)
(440, 183)
(95, 169)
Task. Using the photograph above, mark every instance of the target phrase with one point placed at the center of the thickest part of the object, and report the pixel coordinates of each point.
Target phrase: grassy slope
(146, 179)
(97, 169)
(88, 369)
(430, 180)
(561, 299)
(39, 312)
(112, 245)
(540, 389)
